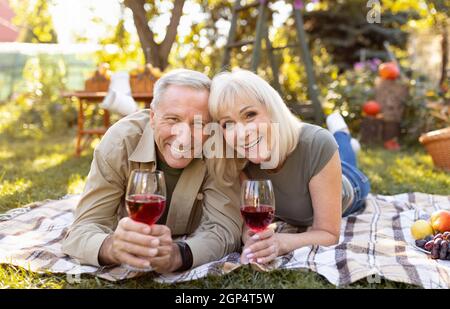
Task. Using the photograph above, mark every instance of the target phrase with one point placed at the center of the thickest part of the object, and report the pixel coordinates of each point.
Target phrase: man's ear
(152, 118)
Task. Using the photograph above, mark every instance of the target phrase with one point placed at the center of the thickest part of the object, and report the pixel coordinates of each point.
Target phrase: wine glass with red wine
(145, 199)
(257, 204)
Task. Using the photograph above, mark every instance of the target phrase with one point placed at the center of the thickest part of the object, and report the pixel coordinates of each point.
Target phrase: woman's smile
(254, 143)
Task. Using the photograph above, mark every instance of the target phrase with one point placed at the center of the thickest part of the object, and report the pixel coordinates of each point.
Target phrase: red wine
(146, 208)
(257, 218)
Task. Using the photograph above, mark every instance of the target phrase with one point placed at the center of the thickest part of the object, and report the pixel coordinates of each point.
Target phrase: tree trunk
(155, 54)
(444, 48)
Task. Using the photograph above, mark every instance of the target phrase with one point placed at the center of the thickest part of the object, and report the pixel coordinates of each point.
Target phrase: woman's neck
(277, 169)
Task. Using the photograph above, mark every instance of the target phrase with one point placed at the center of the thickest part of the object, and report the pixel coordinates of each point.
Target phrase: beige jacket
(208, 214)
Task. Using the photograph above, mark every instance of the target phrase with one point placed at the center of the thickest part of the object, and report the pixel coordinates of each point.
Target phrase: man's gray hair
(180, 77)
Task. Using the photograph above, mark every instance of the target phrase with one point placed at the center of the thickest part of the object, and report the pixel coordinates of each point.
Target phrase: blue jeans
(359, 181)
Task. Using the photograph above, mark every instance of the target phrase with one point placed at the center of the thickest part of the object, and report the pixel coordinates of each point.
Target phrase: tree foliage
(119, 51)
(39, 109)
(350, 30)
(34, 21)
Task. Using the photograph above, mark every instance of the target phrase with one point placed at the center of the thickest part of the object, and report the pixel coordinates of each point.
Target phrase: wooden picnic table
(84, 135)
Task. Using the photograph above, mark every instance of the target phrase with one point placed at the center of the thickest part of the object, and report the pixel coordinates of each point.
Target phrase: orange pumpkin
(371, 108)
(388, 70)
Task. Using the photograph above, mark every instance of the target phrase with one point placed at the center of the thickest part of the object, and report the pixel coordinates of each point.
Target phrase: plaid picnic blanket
(375, 243)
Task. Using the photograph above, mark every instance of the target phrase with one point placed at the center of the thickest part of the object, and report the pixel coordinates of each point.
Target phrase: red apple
(392, 144)
(388, 70)
(371, 108)
(440, 221)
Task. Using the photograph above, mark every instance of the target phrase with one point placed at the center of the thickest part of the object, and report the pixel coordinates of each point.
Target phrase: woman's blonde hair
(229, 88)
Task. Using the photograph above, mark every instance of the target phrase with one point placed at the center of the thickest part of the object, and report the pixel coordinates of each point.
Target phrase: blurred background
(50, 46)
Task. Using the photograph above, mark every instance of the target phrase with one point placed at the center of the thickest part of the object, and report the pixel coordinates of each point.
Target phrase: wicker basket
(437, 144)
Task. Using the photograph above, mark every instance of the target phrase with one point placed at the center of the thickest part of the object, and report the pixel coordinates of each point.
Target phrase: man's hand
(168, 258)
(140, 245)
(131, 243)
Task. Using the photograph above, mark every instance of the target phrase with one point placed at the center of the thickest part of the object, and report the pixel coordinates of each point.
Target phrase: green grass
(32, 170)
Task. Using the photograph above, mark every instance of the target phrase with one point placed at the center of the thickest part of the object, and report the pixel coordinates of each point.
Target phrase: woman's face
(247, 129)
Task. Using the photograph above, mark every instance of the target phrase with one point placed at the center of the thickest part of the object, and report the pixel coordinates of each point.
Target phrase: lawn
(37, 169)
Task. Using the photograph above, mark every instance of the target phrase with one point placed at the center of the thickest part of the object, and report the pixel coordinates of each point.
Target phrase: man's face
(177, 122)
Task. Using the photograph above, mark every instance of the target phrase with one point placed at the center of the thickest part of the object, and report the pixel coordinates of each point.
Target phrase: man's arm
(219, 232)
(96, 212)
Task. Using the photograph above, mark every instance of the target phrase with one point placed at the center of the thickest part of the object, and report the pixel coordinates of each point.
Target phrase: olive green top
(171, 176)
(293, 203)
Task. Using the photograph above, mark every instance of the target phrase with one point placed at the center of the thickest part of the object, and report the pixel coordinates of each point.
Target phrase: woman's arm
(326, 196)
(325, 189)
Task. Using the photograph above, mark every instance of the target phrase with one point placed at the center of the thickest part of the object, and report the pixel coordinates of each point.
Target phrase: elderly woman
(314, 173)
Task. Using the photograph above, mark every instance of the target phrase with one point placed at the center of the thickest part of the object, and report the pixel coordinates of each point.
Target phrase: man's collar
(145, 149)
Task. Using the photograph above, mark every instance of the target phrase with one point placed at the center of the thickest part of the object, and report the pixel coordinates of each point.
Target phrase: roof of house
(8, 31)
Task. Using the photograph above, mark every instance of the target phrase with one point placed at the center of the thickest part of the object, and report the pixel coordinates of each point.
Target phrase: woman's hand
(262, 247)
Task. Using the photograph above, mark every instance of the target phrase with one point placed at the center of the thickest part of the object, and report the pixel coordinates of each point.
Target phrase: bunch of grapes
(438, 245)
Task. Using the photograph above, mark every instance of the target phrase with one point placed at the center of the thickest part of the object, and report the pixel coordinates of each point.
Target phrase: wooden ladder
(262, 33)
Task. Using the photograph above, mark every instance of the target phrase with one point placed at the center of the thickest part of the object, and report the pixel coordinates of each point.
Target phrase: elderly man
(202, 221)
